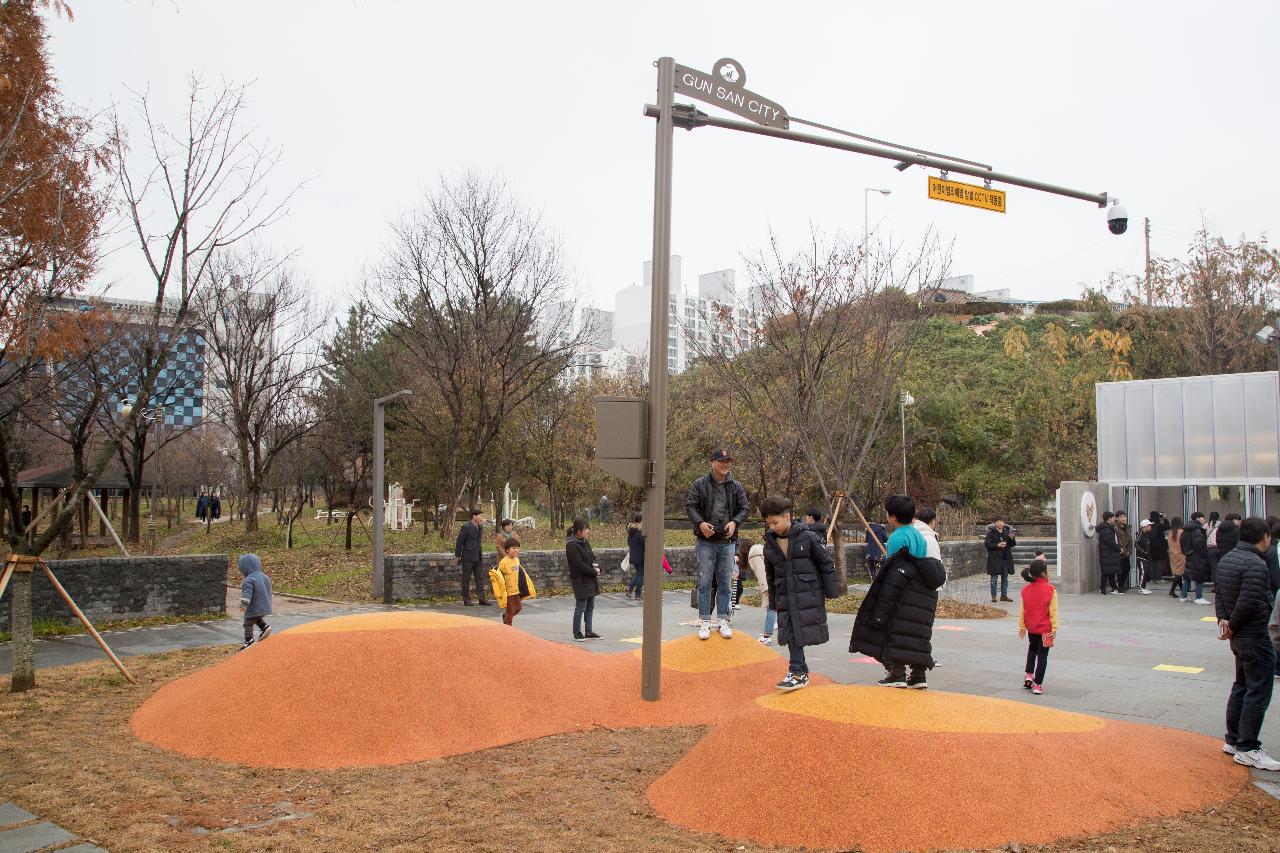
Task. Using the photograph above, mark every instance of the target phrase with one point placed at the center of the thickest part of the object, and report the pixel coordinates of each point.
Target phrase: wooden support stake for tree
(53, 503)
(867, 525)
(30, 562)
(4, 577)
(102, 515)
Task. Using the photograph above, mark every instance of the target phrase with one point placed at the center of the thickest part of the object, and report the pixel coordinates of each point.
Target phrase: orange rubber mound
(820, 782)
(380, 690)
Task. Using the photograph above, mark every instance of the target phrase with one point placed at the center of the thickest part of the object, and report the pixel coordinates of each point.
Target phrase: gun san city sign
(1088, 514)
(724, 88)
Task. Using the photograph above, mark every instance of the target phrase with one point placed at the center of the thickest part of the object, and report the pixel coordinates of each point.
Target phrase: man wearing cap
(1142, 549)
(717, 505)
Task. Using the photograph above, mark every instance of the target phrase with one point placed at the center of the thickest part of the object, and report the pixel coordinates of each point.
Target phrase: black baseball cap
(721, 455)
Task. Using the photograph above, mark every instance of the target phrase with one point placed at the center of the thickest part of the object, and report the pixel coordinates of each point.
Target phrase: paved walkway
(23, 832)
(1148, 659)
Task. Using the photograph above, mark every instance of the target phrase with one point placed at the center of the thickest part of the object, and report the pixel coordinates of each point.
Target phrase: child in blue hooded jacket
(255, 598)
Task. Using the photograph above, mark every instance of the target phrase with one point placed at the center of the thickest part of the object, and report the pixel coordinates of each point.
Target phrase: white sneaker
(725, 630)
(704, 632)
(1186, 599)
(767, 639)
(1203, 601)
(1257, 758)
(1228, 749)
(1144, 592)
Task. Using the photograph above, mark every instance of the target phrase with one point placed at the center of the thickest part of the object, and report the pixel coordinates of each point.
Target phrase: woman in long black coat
(1195, 544)
(584, 575)
(999, 543)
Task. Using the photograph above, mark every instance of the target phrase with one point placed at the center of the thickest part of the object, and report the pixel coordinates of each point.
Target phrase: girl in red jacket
(1038, 621)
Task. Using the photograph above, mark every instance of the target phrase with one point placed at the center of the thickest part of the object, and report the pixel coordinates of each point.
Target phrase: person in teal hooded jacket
(255, 598)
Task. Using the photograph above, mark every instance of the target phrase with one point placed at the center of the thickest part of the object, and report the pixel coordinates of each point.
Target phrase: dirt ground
(68, 754)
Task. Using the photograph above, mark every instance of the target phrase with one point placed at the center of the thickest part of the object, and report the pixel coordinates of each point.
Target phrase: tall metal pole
(655, 494)
(381, 589)
(151, 505)
(902, 409)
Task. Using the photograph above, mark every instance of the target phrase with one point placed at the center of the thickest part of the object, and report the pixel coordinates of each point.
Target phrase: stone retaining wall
(420, 576)
(129, 588)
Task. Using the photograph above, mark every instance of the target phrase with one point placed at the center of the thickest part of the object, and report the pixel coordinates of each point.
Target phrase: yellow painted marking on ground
(1208, 618)
(1168, 667)
(916, 710)
(633, 639)
(404, 621)
(689, 654)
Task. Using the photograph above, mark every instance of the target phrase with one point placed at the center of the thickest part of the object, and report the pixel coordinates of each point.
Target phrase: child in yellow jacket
(509, 568)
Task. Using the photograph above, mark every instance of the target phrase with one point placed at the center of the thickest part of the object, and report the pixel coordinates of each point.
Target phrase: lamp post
(866, 232)
(150, 414)
(905, 399)
(381, 589)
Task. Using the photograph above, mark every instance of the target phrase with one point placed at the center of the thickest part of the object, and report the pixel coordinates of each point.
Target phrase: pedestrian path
(23, 832)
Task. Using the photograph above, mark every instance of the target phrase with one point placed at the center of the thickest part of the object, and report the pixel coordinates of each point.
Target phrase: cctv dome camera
(1117, 219)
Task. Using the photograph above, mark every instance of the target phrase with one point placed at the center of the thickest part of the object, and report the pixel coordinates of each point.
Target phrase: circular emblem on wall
(1088, 513)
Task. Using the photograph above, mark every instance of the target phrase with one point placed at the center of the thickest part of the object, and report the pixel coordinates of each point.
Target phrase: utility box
(622, 438)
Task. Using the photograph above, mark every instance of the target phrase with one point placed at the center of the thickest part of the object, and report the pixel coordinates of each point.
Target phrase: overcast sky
(1168, 105)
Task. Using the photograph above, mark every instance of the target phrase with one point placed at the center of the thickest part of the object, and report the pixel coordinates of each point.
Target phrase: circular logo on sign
(730, 71)
(1088, 513)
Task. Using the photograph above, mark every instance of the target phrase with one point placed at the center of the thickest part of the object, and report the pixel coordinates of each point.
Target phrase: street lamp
(381, 589)
(866, 194)
(150, 415)
(904, 400)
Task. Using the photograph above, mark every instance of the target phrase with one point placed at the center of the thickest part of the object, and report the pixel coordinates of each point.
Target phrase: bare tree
(480, 298)
(186, 195)
(261, 328)
(827, 334)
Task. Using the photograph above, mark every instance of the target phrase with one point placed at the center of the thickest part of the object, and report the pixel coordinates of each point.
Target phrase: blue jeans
(1251, 692)
(636, 583)
(583, 607)
(1003, 578)
(797, 664)
(1186, 587)
(715, 558)
(770, 621)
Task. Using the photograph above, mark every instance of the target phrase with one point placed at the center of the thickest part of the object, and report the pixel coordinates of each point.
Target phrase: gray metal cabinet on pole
(655, 495)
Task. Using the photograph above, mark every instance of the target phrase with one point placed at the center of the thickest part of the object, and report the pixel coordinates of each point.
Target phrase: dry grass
(948, 608)
(67, 753)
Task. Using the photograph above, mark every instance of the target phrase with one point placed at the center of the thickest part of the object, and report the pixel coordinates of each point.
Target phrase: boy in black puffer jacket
(801, 576)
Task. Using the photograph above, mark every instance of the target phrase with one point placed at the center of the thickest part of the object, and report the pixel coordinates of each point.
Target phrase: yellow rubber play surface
(830, 766)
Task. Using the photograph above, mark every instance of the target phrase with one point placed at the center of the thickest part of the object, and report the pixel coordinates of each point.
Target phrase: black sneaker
(579, 637)
(266, 632)
(917, 682)
(247, 644)
(592, 635)
(893, 680)
(794, 681)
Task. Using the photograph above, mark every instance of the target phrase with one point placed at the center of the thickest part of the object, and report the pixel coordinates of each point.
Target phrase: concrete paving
(23, 832)
(1104, 663)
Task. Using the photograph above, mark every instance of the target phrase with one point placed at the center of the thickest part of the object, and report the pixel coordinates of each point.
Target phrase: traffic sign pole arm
(689, 117)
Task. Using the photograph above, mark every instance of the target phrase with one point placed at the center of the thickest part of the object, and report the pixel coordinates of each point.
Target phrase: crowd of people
(795, 574)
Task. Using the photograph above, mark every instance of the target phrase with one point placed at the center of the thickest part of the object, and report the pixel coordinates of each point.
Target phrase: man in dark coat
(1243, 603)
(813, 521)
(1109, 558)
(800, 576)
(467, 552)
(1195, 545)
(717, 506)
(894, 624)
(999, 542)
(1159, 543)
(1124, 536)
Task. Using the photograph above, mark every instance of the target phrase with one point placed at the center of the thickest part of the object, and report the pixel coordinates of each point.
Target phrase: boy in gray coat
(255, 598)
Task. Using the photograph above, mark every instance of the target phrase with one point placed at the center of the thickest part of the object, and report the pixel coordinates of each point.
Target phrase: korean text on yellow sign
(967, 194)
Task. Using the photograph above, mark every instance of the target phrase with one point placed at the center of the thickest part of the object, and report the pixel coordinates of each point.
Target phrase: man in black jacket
(1194, 544)
(1109, 557)
(1159, 543)
(1243, 603)
(717, 506)
(467, 551)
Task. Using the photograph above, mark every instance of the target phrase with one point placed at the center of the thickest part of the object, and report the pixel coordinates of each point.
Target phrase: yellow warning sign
(967, 194)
